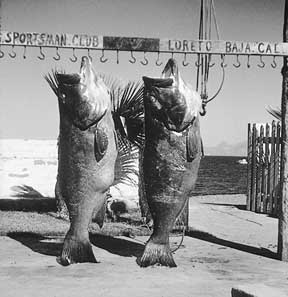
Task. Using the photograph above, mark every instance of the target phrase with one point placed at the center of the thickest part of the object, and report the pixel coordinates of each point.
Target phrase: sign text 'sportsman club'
(143, 44)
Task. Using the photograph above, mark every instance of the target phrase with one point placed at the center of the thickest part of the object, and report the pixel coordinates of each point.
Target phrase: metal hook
(12, 54)
(184, 63)
(74, 59)
(117, 56)
(223, 64)
(88, 54)
(57, 58)
(274, 64)
(102, 59)
(158, 62)
(238, 62)
(210, 65)
(42, 57)
(24, 53)
(248, 61)
(133, 58)
(262, 65)
(145, 60)
(1, 53)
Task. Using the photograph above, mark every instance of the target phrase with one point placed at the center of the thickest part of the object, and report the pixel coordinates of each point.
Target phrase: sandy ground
(225, 246)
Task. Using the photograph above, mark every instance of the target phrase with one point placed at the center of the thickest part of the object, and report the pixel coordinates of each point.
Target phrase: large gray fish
(171, 156)
(87, 154)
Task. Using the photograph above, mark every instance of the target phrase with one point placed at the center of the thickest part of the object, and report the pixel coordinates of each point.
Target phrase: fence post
(254, 169)
(283, 216)
(266, 174)
(249, 168)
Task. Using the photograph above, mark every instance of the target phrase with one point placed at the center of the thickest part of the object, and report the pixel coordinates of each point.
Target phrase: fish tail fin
(76, 251)
(156, 253)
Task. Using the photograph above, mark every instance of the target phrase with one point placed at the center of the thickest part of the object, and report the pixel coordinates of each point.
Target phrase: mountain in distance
(225, 149)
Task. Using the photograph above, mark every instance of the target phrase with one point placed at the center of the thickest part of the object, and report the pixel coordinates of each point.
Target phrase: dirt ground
(225, 246)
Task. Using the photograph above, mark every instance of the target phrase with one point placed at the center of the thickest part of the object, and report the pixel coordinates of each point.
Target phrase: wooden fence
(264, 154)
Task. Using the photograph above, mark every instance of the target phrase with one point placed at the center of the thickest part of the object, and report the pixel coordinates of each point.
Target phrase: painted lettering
(95, 41)
(185, 45)
(268, 49)
(15, 36)
(9, 37)
(276, 51)
(169, 46)
(193, 47)
(75, 39)
(228, 46)
(247, 48)
(260, 47)
(29, 39)
(178, 45)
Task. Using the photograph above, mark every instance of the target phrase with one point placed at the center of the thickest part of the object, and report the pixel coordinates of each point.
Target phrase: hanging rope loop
(203, 63)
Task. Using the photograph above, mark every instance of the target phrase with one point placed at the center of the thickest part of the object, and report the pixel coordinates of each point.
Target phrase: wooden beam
(162, 45)
(283, 212)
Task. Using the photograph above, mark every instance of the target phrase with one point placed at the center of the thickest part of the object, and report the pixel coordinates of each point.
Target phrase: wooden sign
(143, 44)
(51, 40)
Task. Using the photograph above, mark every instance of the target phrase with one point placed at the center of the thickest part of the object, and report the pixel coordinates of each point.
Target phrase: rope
(207, 11)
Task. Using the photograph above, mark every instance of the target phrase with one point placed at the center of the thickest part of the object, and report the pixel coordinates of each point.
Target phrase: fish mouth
(68, 79)
(157, 82)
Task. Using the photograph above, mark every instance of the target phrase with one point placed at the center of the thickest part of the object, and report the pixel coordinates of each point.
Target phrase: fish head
(84, 96)
(171, 100)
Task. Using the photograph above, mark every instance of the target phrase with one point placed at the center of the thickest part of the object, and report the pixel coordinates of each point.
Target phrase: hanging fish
(172, 135)
(87, 153)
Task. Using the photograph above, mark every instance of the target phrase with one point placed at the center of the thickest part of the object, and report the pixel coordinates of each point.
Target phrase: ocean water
(221, 175)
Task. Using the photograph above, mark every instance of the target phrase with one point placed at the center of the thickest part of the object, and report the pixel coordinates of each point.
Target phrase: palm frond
(126, 166)
(52, 80)
(275, 112)
(128, 105)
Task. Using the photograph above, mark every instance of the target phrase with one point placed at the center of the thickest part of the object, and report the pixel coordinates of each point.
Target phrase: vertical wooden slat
(277, 169)
(249, 168)
(254, 169)
(265, 176)
(272, 170)
(259, 202)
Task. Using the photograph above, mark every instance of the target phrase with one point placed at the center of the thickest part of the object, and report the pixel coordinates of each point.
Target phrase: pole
(283, 214)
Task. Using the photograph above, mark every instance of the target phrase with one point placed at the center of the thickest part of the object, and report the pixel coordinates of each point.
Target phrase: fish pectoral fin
(194, 146)
(100, 143)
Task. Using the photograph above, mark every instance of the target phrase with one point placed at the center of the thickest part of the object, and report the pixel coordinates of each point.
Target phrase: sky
(28, 107)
